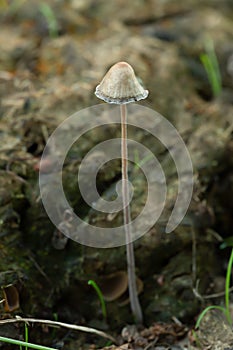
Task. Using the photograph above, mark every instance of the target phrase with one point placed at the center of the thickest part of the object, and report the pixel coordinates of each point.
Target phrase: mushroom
(114, 285)
(120, 86)
(11, 298)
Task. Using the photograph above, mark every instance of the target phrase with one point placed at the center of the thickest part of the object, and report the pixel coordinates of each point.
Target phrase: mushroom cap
(120, 85)
(11, 298)
(114, 285)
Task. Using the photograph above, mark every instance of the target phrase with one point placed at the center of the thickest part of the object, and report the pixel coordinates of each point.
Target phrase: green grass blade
(49, 15)
(227, 288)
(100, 296)
(210, 63)
(211, 307)
(213, 58)
(26, 334)
(25, 344)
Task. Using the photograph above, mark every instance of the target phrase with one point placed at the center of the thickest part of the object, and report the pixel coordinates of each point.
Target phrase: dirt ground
(52, 57)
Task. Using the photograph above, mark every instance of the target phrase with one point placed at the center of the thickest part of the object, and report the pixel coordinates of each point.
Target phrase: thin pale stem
(194, 256)
(134, 301)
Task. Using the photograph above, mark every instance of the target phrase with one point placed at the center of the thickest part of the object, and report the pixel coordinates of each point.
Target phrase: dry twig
(60, 324)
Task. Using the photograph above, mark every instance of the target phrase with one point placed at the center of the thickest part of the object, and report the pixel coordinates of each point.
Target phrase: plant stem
(134, 301)
(211, 307)
(26, 334)
(23, 343)
(100, 296)
(227, 288)
(211, 65)
(58, 324)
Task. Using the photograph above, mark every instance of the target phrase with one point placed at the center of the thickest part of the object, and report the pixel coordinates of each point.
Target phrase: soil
(51, 59)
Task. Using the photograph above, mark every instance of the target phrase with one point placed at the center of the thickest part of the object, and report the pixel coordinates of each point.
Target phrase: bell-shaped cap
(120, 85)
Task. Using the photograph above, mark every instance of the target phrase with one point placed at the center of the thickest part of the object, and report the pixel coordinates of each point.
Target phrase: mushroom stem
(133, 296)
